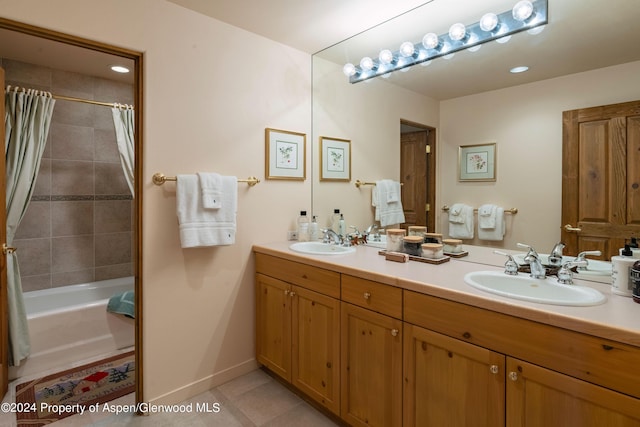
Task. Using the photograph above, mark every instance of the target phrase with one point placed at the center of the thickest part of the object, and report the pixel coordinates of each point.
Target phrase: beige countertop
(617, 319)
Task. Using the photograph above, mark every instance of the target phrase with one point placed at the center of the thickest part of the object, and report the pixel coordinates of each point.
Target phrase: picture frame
(477, 162)
(285, 154)
(335, 159)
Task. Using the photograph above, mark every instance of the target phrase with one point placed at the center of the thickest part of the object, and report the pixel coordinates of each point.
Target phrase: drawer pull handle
(394, 332)
(367, 295)
(494, 369)
(513, 376)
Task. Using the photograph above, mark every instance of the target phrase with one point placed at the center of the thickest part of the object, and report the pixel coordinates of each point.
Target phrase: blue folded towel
(122, 303)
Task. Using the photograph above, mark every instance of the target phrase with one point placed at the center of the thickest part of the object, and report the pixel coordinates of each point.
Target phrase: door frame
(137, 58)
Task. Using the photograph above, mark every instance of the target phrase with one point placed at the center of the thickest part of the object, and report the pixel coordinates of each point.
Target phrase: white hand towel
(389, 210)
(461, 226)
(206, 227)
(211, 188)
(487, 216)
(496, 233)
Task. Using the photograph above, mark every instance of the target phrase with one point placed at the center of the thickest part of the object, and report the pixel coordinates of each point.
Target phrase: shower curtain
(27, 120)
(123, 121)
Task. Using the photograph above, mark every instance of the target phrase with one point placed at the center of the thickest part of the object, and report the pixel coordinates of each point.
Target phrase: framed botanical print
(477, 162)
(335, 159)
(285, 154)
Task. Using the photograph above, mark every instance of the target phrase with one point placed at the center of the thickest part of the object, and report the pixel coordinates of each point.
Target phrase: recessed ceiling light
(120, 69)
(516, 70)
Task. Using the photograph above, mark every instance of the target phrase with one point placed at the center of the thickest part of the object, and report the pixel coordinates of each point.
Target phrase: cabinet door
(273, 325)
(316, 347)
(539, 397)
(371, 382)
(448, 382)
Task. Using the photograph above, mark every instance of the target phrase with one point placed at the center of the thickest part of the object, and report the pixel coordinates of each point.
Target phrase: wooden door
(371, 382)
(316, 347)
(4, 327)
(451, 382)
(601, 178)
(539, 397)
(273, 325)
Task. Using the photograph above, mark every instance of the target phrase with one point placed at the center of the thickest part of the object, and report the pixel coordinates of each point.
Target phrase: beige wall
(210, 90)
(526, 123)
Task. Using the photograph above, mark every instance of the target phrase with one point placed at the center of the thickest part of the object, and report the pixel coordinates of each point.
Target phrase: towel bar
(510, 211)
(160, 178)
(361, 183)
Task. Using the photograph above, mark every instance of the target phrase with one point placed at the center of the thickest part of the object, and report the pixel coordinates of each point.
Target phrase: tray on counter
(457, 254)
(445, 258)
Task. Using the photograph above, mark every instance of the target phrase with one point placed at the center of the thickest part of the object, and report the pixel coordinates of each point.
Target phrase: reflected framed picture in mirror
(285, 154)
(335, 159)
(477, 162)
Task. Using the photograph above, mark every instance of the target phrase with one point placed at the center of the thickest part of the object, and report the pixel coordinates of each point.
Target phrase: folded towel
(206, 227)
(496, 233)
(487, 216)
(122, 303)
(385, 197)
(211, 188)
(461, 226)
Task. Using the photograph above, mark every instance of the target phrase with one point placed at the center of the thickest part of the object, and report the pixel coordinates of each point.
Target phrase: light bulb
(503, 40)
(521, 69)
(474, 48)
(457, 32)
(407, 49)
(366, 63)
(430, 41)
(536, 30)
(349, 69)
(489, 22)
(522, 10)
(385, 57)
(119, 69)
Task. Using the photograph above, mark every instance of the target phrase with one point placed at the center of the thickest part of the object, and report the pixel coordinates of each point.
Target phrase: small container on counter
(432, 238)
(412, 245)
(634, 278)
(394, 239)
(432, 250)
(452, 246)
(417, 230)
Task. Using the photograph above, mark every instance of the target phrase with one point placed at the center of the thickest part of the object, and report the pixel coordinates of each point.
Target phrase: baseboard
(207, 383)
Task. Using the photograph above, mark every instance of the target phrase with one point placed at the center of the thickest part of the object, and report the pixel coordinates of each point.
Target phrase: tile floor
(254, 399)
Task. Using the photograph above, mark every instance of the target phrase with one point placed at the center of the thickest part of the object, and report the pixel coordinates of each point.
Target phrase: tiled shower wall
(78, 226)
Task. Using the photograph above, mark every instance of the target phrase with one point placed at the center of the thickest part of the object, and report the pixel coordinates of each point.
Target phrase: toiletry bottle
(313, 229)
(342, 227)
(303, 227)
(634, 277)
(335, 219)
(620, 272)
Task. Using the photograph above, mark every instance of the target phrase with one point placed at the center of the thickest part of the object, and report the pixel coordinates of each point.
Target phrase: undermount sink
(319, 248)
(523, 287)
(594, 268)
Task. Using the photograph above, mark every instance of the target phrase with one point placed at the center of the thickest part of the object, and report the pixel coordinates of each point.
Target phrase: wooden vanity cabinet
(297, 326)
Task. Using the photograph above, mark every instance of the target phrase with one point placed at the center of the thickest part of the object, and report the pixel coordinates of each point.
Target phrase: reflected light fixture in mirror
(524, 16)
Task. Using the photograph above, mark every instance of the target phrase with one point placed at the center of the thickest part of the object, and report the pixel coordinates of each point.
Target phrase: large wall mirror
(586, 56)
(81, 227)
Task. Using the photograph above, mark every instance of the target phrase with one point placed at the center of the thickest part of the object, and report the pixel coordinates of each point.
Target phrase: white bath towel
(206, 227)
(498, 231)
(461, 226)
(385, 197)
(487, 216)
(211, 188)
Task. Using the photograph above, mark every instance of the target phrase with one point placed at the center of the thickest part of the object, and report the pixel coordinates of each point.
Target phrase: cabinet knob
(367, 295)
(286, 291)
(292, 294)
(494, 369)
(513, 376)
(394, 332)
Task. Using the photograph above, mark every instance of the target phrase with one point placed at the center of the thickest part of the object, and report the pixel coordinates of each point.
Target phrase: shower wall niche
(78, 227)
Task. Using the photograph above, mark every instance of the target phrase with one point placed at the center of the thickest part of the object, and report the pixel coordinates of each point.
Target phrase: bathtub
(70, 324)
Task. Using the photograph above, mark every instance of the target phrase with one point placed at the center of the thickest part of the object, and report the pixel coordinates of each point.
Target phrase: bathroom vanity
(379, 343)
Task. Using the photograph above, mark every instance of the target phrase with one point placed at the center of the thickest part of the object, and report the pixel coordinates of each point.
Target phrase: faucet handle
(531, 250)
(565, 275)
(582, 256)
(511, 266)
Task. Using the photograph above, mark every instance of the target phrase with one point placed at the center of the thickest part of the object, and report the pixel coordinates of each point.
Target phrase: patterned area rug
(78, 390)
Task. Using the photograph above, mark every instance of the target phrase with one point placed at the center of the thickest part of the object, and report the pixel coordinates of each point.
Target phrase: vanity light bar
(475, 36)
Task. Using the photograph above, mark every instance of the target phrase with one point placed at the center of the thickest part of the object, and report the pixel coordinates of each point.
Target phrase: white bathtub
(70, 324)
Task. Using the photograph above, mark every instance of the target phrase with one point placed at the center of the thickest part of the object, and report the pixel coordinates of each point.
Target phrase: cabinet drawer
(593, 359)
(317, 279)
(375, 296)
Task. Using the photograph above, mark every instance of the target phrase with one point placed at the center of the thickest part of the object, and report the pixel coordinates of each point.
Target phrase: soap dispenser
(335, 220)
(313, 229)
(342, 227)
(303, 227)
(620, 271)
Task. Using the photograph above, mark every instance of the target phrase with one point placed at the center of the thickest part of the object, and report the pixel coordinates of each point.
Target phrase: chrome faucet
(373, 228)
(511, 266)
(565, 275)
(555, 257)
(582, 256)
(531, 250)
(329, 234)
(537, 269)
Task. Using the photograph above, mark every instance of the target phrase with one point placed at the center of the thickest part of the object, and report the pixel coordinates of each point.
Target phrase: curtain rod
(71, 98)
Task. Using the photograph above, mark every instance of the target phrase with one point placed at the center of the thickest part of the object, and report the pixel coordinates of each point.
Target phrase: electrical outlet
(292, 235)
